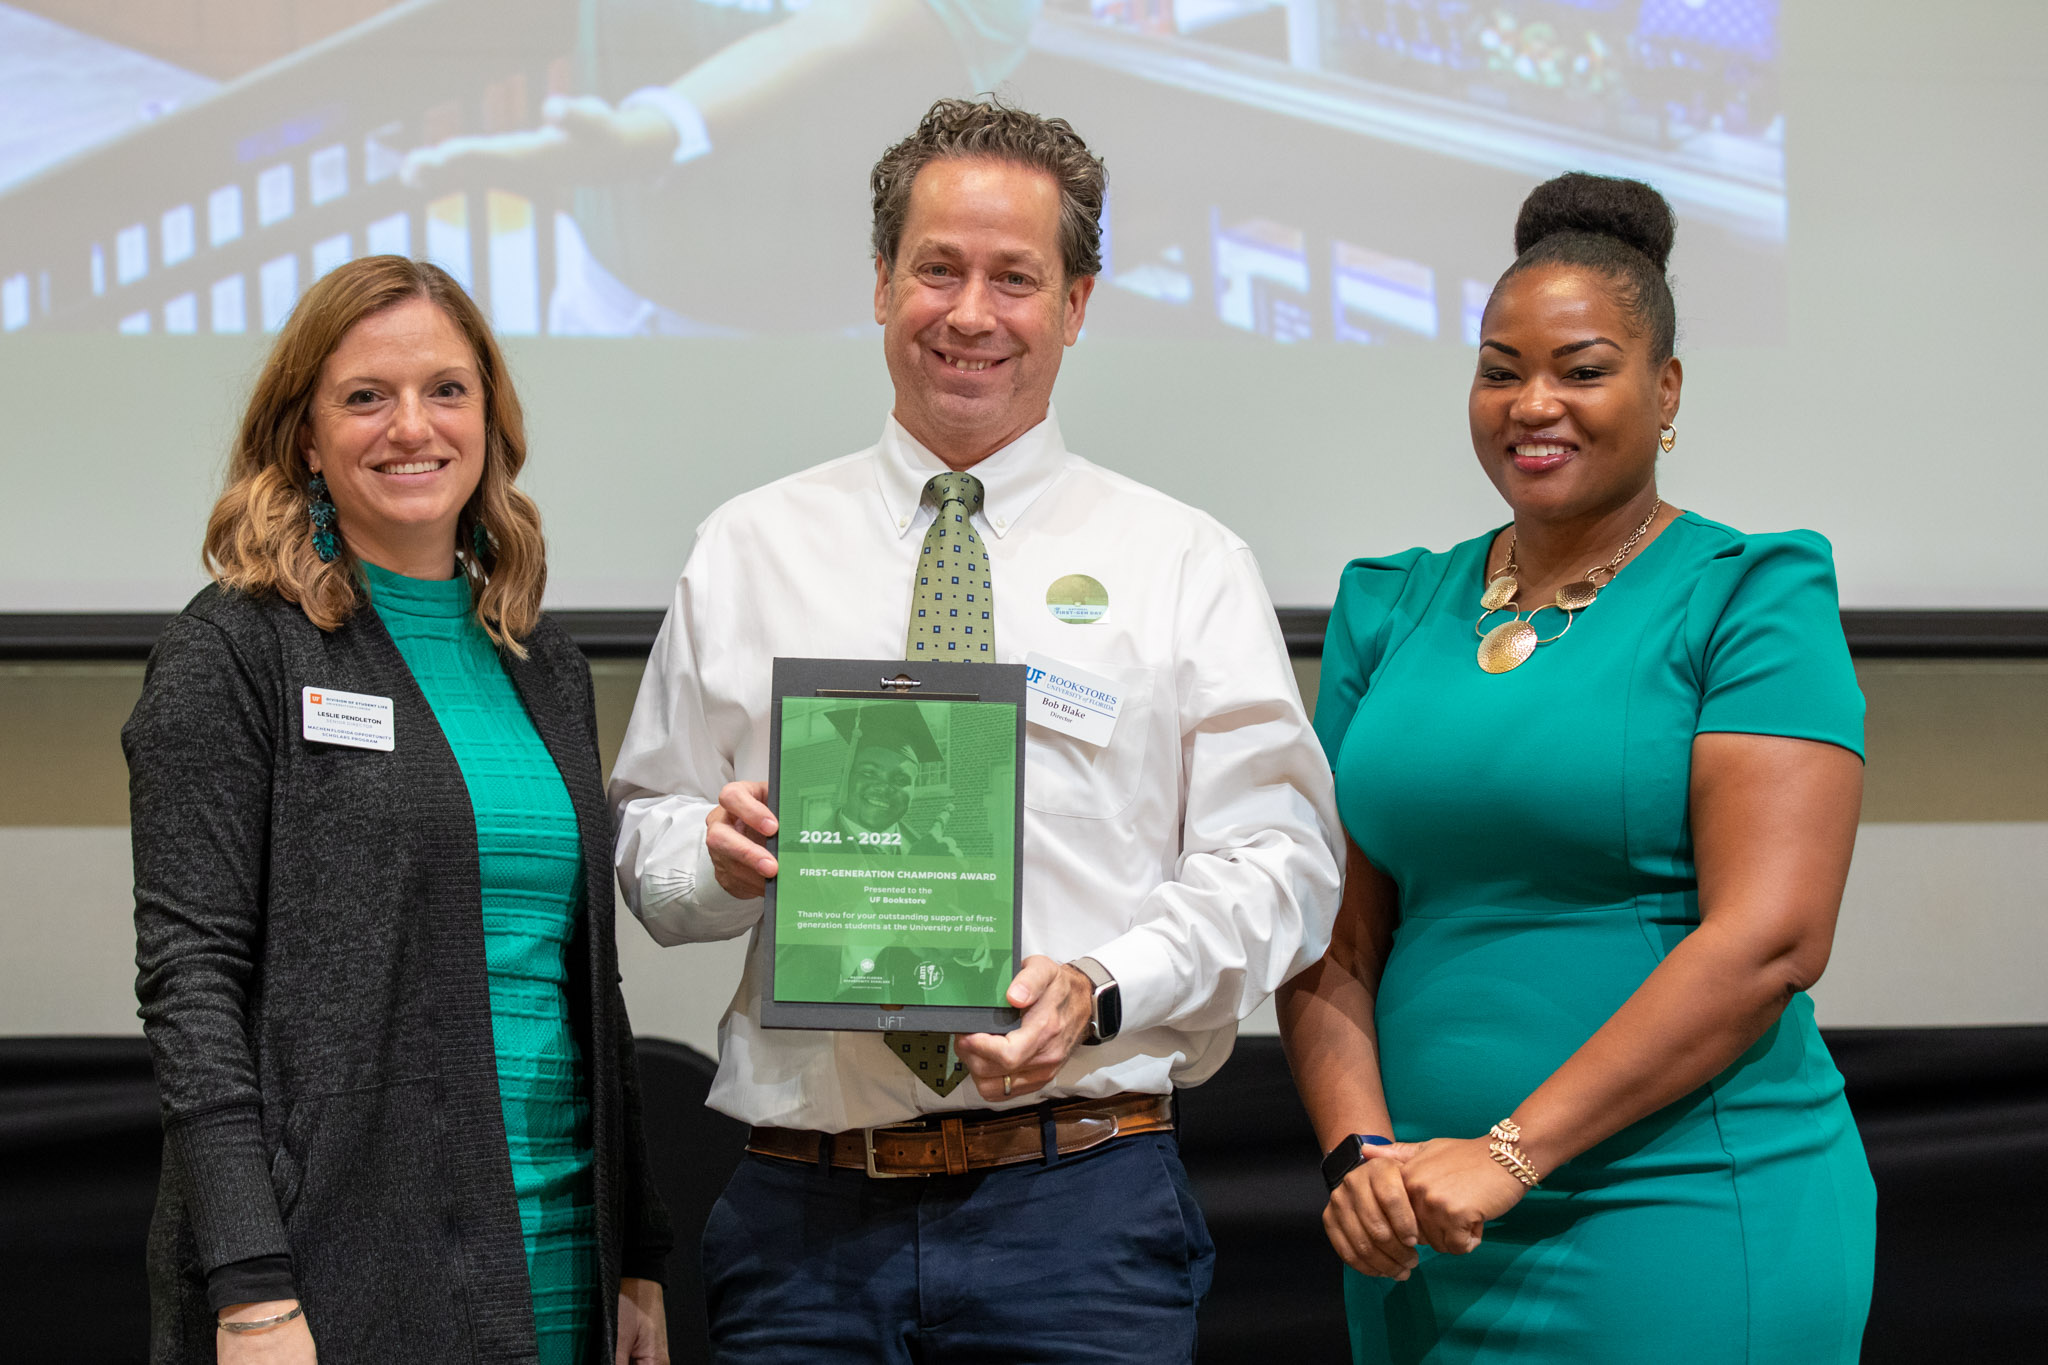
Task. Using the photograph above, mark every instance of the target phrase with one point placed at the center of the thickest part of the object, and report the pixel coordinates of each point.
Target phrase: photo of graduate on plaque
(897, 852)
(890, 744)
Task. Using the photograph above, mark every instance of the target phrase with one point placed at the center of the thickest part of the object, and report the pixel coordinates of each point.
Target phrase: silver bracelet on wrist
(258, 1324)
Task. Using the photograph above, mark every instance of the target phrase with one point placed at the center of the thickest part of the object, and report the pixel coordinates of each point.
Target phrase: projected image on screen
(1309, 170)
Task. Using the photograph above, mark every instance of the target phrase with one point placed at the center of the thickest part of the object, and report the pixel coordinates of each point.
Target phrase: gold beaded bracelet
(1507, 1152)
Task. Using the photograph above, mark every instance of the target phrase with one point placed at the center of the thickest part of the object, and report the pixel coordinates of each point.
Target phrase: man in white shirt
(1174, 875)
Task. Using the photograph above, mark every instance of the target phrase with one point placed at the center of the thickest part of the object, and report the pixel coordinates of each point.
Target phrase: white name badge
(351, 718)
(1064, 698)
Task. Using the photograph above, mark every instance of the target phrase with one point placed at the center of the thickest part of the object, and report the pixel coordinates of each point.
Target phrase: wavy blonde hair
(260, 539)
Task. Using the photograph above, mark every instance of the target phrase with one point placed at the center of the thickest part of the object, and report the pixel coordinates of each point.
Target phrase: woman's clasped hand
(1439, 1194)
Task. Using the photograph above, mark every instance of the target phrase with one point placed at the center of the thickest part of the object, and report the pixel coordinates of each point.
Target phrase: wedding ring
(1007, 1082)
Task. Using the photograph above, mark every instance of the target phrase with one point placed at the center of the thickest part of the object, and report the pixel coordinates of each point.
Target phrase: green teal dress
(1534, 823)
(532, 875)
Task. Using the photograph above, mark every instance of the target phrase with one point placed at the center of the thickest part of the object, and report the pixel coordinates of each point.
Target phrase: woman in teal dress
(373, 886)
(1597, 855)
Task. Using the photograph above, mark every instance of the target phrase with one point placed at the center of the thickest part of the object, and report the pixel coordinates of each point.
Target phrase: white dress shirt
(1195, 855)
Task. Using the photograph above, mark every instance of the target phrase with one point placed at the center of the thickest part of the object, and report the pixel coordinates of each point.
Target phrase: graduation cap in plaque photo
(892, 760)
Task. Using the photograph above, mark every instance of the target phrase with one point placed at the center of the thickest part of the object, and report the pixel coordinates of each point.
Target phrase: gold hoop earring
(1667, 437)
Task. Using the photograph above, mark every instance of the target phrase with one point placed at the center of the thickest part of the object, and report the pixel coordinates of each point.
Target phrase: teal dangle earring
(479, 543)
(320, 511)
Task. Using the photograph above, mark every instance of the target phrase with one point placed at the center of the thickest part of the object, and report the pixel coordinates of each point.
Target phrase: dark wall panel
(1955, 1120)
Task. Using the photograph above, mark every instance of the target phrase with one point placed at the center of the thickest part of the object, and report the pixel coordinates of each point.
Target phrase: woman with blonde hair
(373, 894)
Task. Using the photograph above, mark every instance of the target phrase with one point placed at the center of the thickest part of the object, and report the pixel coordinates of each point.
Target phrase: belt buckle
(868, 1143)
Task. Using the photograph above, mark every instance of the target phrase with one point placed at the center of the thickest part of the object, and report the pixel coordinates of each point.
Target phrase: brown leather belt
(954, 1144)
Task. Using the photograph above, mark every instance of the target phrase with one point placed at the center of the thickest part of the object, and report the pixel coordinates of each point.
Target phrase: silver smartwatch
(1106, 1019)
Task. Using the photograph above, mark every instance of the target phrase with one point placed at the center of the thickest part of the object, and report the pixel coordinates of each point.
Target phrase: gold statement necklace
(1509, 644)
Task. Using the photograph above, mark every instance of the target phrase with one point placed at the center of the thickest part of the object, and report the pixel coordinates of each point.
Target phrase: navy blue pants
(1101, 1256)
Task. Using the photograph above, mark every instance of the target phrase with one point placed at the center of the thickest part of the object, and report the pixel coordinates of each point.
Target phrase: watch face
(1340, 1162)
(1349, 1155)
(1109, 1013)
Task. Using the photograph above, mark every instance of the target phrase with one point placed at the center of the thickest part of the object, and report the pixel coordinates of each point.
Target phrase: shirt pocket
(1064, 776)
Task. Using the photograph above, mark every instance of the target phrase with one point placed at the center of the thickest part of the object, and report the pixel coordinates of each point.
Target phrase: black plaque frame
(887, 680)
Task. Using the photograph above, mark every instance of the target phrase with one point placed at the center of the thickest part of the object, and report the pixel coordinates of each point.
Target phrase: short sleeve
(1360, 624)
(1765, 627)
(991, 34)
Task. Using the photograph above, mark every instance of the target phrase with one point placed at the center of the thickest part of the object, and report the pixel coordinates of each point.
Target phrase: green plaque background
(896, 847)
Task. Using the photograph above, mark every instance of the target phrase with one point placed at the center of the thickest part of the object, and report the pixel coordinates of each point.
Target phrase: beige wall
(1946, 920)
(1950, 740)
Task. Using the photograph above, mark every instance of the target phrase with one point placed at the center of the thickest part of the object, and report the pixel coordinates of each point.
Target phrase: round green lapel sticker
(1077, 599)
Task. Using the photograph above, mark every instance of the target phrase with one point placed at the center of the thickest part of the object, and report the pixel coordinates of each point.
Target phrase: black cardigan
(310, 950)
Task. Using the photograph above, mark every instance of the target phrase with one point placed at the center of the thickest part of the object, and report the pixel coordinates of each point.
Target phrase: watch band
(1348, 1155)
(1106, 1013)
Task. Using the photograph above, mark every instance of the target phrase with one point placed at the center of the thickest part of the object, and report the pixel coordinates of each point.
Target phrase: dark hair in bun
(1620, 228)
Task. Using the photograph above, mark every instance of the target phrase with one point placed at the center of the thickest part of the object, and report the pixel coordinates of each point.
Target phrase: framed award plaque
(898, 793)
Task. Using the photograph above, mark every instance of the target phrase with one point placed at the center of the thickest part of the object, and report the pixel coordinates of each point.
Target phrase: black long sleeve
(256, 1280)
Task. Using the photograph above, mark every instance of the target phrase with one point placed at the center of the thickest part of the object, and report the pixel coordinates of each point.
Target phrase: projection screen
(1310, 200)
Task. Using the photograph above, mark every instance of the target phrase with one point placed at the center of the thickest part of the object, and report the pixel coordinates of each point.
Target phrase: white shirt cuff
(1144, 983)
(714, 904)
(679, 899)
(693, 139)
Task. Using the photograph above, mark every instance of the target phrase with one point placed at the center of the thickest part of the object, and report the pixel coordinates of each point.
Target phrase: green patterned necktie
(952, 618)
(951, 608)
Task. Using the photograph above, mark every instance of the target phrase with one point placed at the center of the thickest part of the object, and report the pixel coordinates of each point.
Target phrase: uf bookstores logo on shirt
(1064, 698)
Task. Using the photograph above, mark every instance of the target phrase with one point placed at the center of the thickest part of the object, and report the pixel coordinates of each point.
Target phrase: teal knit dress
(1536, 826)
(532, 876)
